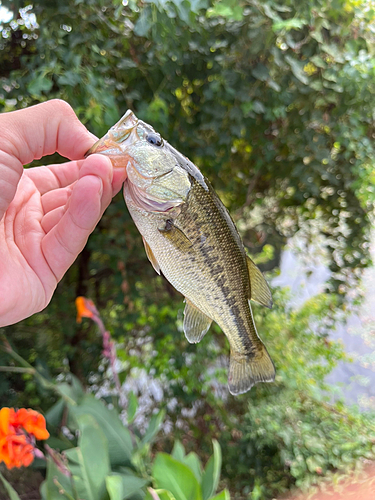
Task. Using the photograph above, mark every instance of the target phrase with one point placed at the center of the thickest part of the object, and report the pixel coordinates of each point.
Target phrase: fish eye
(154, 139)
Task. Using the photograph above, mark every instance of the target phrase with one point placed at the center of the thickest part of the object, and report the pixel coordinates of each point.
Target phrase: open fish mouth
(118, 138)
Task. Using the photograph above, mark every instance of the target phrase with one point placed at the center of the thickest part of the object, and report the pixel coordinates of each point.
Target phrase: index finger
(40, 130)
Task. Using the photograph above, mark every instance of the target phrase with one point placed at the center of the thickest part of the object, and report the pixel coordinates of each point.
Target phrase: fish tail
(246, 370)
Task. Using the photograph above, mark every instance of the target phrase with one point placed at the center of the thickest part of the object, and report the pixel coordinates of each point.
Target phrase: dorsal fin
(260, 291)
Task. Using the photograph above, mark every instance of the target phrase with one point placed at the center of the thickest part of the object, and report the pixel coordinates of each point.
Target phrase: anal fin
(196, 323)
(151, 256)
(245, 370)
(260, 291)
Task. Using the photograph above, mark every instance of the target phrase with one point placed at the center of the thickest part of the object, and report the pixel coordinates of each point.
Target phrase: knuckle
(62, 106)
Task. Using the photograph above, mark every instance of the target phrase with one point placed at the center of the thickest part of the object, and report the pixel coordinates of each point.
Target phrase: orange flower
(33, 422)
(85, 308)
(18, 431)
(15, 451)
(6, 416)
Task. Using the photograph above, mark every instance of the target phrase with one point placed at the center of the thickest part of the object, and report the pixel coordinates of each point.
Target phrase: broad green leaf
(122, 486)
(118, 437)
(176, 477)
(158, 495)
(89, 462)
(223, 495)
(13, 495)
(55, 413)
(132, 406)
(178, 451)
(153, 427)
(56, 485)
(211, 475)
(192, 461)
(72, 391)
(114, 487)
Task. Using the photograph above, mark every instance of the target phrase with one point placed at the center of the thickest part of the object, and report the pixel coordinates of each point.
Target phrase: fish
(190, 237)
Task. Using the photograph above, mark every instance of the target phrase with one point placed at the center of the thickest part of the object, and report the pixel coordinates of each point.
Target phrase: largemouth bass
(190, 237)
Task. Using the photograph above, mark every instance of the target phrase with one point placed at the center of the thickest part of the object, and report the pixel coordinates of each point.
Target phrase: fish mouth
(118, 138)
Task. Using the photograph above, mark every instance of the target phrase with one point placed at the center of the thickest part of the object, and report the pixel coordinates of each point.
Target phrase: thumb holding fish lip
(32, 133)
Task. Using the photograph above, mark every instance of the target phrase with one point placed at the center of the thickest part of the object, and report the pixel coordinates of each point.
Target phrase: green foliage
(274, 101)
(105, 460)
(183, 477)
(9, 489)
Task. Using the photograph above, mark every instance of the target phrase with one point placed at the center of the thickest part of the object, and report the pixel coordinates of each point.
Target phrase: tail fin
(245, 371)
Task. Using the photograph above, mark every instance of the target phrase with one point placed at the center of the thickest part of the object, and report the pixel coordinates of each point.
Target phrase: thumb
(9, 179)
(90, 196)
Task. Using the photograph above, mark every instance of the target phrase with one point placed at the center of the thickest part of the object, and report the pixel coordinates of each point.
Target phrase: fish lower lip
(106, 147)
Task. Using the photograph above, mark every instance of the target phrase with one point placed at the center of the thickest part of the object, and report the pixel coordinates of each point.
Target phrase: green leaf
(118, 437)
(39, 84)
(289, 24)
(13, 495)
(143, 25)
(260, 72)
(223, 495)
(176, 477)
(211, 474)
(158, 494)
(178, 451)
(90, 461)
(132, 406)
(70, 78)
(73, 391)
(228, 9)
(297, 69)
(56, 485)
(192, 461)
(55, 413)
(153, 427)
(122, 486)
(114, 487)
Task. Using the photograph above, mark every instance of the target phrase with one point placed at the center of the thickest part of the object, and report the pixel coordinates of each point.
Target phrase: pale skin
(46, 213)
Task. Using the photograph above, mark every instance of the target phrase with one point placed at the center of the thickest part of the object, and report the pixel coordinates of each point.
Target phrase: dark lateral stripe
(210, 257)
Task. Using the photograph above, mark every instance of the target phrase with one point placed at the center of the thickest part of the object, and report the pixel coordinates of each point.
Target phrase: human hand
(46, 213)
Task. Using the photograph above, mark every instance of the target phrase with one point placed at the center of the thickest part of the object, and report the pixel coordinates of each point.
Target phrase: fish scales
(190, 236)
(218, 291)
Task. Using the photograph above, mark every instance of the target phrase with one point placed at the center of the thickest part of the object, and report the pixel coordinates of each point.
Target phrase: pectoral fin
(151, 256)
(196, 323)
(260, 291)
(176, 236)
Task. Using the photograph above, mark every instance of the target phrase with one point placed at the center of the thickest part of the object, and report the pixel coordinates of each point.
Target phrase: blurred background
(274, 102)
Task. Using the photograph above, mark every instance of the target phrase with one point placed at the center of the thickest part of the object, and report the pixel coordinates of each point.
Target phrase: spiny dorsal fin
(151, 256)
(196, 323)
(260, 291)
